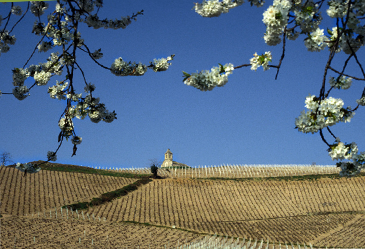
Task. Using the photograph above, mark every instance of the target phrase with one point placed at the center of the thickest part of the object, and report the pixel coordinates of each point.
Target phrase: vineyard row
(236, 171)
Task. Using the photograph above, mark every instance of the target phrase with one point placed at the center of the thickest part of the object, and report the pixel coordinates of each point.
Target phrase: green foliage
(85, 170)
(109, 196)
(77, 206)
(186, 76)
(96, 201)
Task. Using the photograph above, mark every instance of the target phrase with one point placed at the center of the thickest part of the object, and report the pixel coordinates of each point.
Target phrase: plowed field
(49, 189)
(279, 210)
(175, 211)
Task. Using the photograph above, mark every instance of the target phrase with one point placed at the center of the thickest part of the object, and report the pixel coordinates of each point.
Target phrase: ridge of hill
(328, 211)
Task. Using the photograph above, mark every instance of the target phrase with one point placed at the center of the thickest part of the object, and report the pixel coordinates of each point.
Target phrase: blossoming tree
(284, 19)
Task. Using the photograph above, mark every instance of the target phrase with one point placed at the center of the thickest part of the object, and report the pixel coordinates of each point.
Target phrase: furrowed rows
(49, 189)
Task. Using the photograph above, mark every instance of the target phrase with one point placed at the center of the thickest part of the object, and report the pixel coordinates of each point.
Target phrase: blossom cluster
(347, 42)
(66, 125)
(361, 101)
(214, 8)
(6, 40)
(340, 151)
(307, 16)
(316, 41)
(62, 29)
(349, 169)
(261, 60)
(16, 10)
(38, 7)
(51, 156)
(28, 167)
(276, 18)
(41, 74)
(20, 92)
(321, 114)
(123, 68)
(162, 64)
(207, 80)
(90, 106)
(97, 54)
(340, 82)
(337, 8)
(57, 91)
(96, 23)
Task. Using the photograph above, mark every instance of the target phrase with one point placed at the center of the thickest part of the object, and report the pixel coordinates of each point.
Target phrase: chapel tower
(168, 159)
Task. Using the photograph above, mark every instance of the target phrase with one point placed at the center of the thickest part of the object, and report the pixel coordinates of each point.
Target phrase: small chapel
(168, 162)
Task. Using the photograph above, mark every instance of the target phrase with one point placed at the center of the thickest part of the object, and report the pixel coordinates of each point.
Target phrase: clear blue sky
(248, 121)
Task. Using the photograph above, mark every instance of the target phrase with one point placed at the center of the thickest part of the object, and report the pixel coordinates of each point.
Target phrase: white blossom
(316, 41)
(348, 169)
(337, 8)
(19, 76)
(320, 115)
(51, 156)
(89, 88)
(275, 18)
(346, 42)
(66, 126)
(96, 23)
(109, 116)
(97, 54)
(16, 10)
(207, 80)
(214, 8)
(307, 16)
(44, 46)
(38, 7)
(262, 60)
(20, 92)
(57, 91)
(28, 167)
(61, 9)
(361, 101)
(38, 28)
(162, 64)
(42, 78)
(341, 151)
(340, 82)
(123, 68)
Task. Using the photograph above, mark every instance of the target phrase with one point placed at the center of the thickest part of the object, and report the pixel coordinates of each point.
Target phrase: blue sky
(248, 121)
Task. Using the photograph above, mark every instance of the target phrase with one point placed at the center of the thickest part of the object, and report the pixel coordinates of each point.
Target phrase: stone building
(168, 162)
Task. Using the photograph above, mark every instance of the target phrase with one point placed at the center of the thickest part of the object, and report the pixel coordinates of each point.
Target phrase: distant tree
(5, 158)
(154, 164)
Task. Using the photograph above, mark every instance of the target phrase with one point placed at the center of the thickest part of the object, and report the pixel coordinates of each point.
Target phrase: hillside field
(322, 210)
